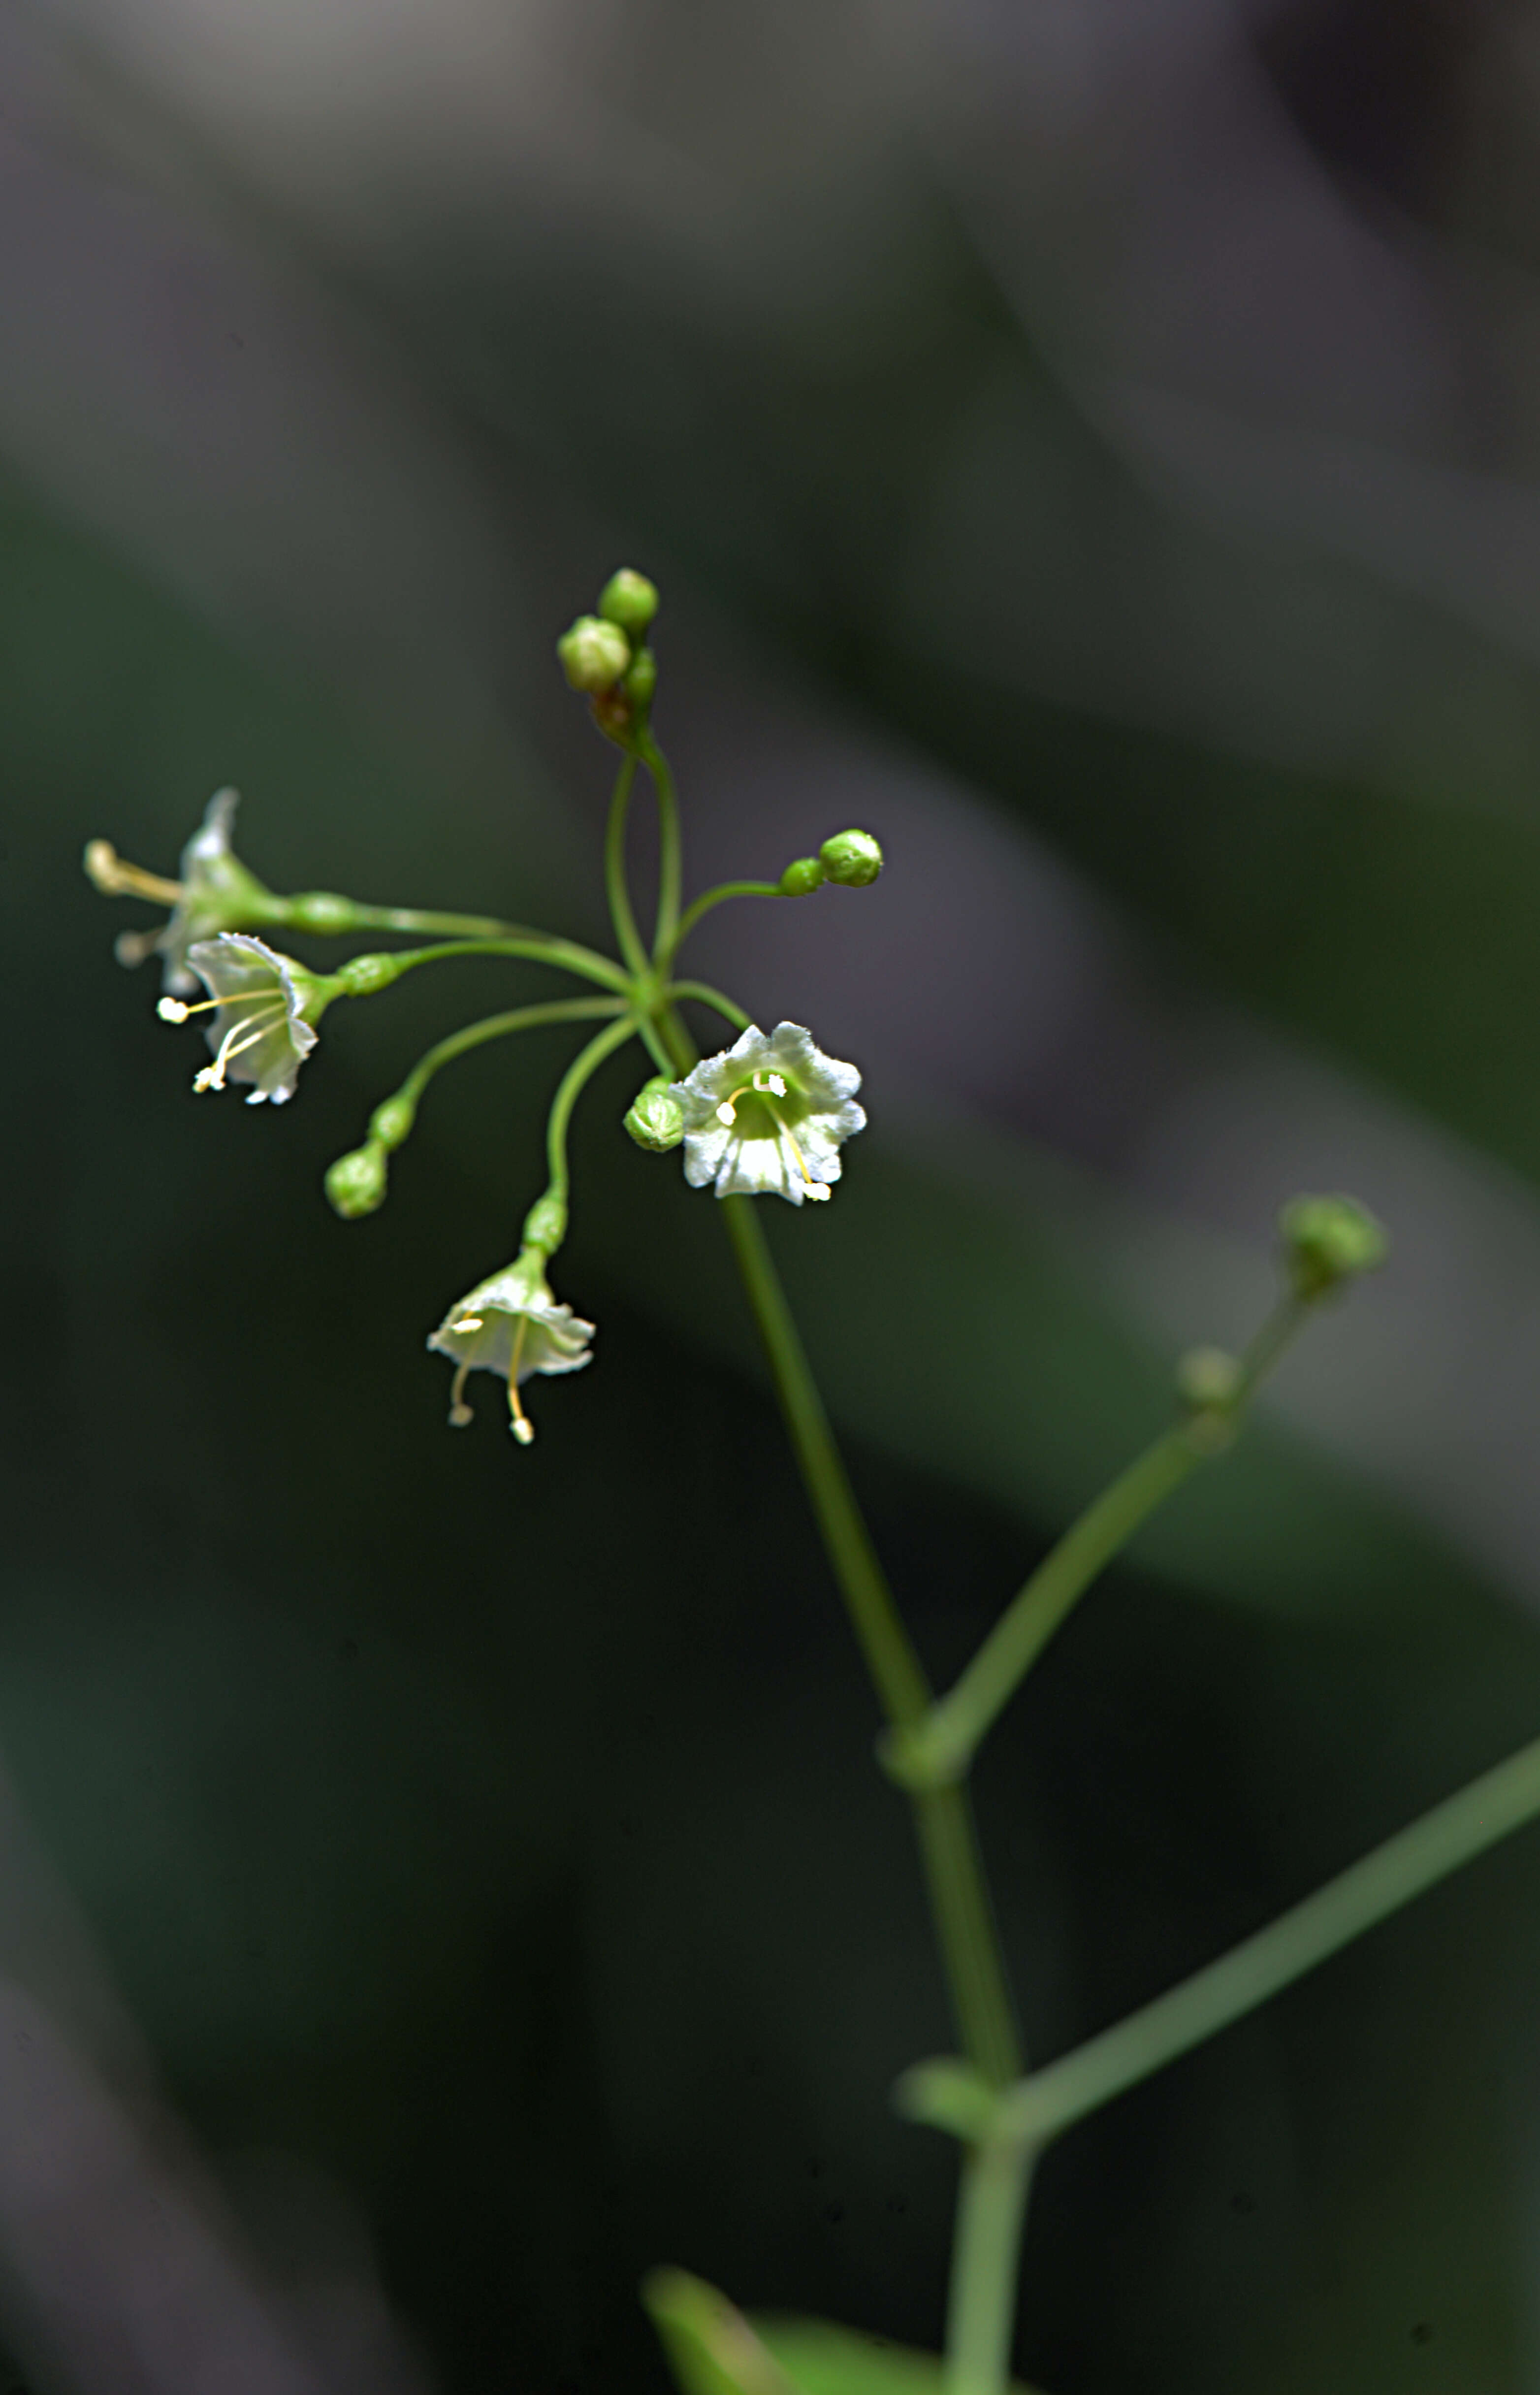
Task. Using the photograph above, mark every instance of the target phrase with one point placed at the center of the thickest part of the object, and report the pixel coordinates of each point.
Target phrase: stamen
(520, 1425)
(460, 1414)
(172, 1009)
(467, 1322)
(725, 1114)
(778, 1085)
(116, 879)
(232, 1045)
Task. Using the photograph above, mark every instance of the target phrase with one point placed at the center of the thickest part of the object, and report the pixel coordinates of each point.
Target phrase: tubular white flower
(216, 893)
(266, 1007)
(769, 1114)
(510, 1324)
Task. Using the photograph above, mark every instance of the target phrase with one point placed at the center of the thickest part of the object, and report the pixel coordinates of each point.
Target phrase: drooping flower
(265, 1009)
(769, 1114)
(511, 1324)
(216, 893)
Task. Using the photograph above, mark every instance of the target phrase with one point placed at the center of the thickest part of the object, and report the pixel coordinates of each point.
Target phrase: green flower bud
(1327, 1241)
(853, 859)
(361, 977)
(391, 1122)
(654, 1117)
(804, 875)
(356, 1183)
(628, 600)
(594, 654)
(546, 1224)
(321, 910)
(641, 679)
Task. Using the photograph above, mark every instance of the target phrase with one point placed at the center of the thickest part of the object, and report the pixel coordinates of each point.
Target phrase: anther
(171, 1010)
(726, 1113)
(467, 1322)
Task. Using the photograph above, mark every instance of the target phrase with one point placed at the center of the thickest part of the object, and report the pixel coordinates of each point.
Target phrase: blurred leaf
(710, 2346)
(820, 2359)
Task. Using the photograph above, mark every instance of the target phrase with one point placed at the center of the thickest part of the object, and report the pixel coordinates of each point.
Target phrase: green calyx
(852, 858)
(361, 977)
(594, 654)
(356, 1183)
(654, 1118)
(545, 1226)
(1329, 1241)
(802, 876)
(629, 600)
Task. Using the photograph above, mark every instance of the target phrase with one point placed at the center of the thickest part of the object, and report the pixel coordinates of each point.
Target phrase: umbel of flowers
(767, 1116)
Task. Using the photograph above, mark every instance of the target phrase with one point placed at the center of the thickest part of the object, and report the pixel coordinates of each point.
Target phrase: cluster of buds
(606, 655)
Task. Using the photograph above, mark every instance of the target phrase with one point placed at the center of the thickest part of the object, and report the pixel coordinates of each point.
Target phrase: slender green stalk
(617, 887)
(499, 1027)
(1365, 1893)
(941, 1747)
(981, 2321)
(670, 859)
(704, 905)
(539, 947)
(959, 1899)
(415, 919)
(709, 996)
(583, 1066)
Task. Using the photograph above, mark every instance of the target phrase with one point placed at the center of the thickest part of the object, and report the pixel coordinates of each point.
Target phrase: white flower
(216, 893)
(264, 1006)
(512, 1325)
(769, 1114)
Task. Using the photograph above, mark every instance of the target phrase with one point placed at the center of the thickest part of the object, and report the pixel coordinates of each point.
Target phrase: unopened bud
(356, 1183)
(391, 1122)
(654, 1118)
(628, 600)
(546, 1224)
(804, 875)
(853, 859)
(594, 654)
(615, 716)
(1329, 1240)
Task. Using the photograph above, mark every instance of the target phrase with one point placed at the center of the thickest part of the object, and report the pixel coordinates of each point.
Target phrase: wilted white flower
(512, 1325)
(769, 1114)
(265, 1008)
(216, 893)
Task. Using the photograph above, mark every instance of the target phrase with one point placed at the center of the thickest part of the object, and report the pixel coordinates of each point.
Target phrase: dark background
(1100, 450)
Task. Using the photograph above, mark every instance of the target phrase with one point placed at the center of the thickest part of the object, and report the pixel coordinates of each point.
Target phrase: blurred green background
(1101, 455)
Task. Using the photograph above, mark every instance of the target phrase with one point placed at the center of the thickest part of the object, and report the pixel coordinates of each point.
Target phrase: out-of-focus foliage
(1097, 450)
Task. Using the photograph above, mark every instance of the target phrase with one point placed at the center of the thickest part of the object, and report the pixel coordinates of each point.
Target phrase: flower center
(765, 1099)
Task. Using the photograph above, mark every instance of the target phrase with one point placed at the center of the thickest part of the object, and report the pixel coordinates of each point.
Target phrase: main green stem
(959, 1898)
(981, 2318)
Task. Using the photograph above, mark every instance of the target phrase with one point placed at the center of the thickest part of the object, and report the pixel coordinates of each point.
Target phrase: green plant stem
(670, 857)
(941, 1747)
(981, 2323)
(959, 1899)
(539, 947)
(583, 1066)
(499, 1027)
(944, 1745)
(1365, 1893)
(617, 888)
(413, 919)
(704, 905)
(706, 996)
